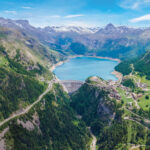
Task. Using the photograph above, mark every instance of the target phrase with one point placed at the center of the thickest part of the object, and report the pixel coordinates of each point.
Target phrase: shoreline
(56, 65)
(117, 74)
(61, 62)
(100, 57)
(108, 58)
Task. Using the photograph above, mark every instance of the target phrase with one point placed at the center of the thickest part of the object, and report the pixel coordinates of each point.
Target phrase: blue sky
(42, 13)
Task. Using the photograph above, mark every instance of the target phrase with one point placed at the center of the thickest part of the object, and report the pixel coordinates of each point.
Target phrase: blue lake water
(80, 68)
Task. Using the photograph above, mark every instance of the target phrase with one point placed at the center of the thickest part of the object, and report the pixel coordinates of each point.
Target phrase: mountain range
(118, 42)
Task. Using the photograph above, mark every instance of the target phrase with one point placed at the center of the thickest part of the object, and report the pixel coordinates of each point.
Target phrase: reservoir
(80, 68)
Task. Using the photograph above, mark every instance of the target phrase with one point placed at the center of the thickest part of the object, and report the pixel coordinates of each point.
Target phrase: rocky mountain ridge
(117, 42)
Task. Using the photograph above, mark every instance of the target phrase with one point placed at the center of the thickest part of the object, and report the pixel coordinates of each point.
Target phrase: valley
(59, 89)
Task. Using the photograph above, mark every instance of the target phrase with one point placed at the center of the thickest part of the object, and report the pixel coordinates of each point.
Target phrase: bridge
(71, 86)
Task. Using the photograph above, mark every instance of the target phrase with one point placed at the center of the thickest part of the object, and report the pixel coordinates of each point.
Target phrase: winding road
(26, 110)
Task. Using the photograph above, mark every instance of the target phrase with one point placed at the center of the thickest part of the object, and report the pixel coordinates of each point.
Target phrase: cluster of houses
(114, 93)
(136, 96)
(111, 87)
(141, 85)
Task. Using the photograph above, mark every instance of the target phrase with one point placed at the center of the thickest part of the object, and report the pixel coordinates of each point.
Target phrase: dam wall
(71, 86)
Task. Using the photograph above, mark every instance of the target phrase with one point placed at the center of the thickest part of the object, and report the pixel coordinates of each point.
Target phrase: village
(123, 93)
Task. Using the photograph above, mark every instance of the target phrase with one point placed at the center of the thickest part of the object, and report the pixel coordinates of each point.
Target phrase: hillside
(27, 87)
(24, 64)
(50, 123)
(112, 116)
(28, 48)
(143, 65)
(140, 65)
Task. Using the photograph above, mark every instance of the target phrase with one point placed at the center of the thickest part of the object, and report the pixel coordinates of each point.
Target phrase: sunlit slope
(30, 49)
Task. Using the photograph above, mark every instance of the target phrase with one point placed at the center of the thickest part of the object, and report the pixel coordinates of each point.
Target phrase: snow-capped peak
(80, 30)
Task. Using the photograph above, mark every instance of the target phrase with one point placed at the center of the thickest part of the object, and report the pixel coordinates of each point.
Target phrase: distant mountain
(13, 37)
(117, 42)
(79, 30)
(24, 24)
(110, 31)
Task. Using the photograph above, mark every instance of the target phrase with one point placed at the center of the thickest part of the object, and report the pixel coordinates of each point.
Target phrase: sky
(85, 13)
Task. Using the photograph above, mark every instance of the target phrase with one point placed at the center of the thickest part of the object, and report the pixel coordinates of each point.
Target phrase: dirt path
(127, 118)
(136, 104)
(134, 147)
(146, 120)
(132, 119)
(93, 144)
(24, 111)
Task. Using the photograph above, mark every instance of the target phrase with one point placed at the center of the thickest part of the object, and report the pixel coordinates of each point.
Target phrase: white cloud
(142, 18)
(26, 7)
(73, 16)
(134, 4)
(10, 12)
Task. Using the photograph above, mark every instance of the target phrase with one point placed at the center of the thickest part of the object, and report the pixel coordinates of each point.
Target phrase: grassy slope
(140, 65)
(31, 50)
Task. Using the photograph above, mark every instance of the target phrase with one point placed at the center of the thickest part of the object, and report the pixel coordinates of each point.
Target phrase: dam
(71, 86)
